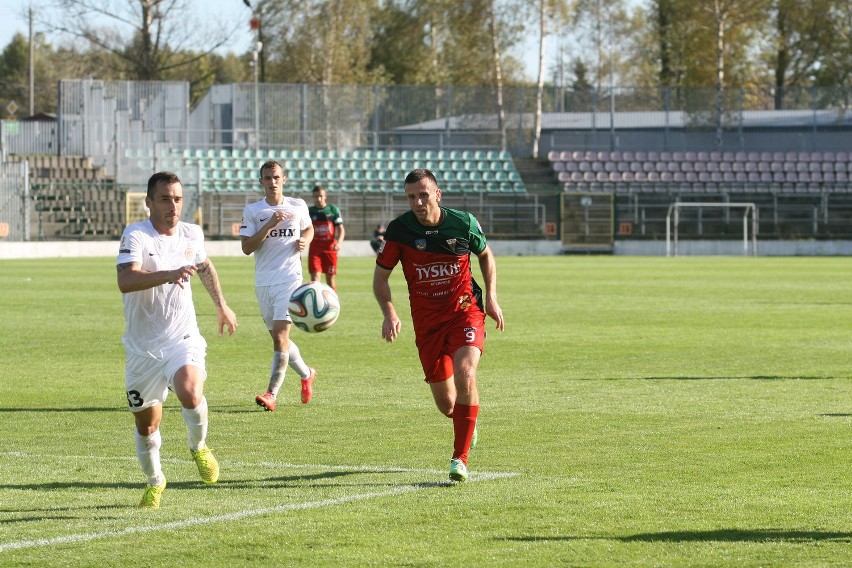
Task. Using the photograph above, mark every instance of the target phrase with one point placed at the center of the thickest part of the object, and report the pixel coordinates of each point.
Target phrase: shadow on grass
(295, 481)
(738, 535)
(720, 535)
(239, 409)
(67, 409)
(40, 514)
(310, 480)
(751, 377)
(217, 409)
(57, 513)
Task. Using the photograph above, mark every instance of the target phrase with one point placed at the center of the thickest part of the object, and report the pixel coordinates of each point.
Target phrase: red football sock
(464, 421)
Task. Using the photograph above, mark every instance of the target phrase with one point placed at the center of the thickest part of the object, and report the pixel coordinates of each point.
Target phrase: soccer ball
(314, 307)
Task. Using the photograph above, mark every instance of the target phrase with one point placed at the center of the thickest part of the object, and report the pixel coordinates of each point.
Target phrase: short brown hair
(167, 178)
(419, 174)
(269, 164)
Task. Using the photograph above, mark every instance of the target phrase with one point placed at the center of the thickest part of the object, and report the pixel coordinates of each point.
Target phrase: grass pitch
(636, 411)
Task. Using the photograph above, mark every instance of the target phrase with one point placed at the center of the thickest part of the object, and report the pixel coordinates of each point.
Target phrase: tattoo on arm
(124, 266)
(208, 276)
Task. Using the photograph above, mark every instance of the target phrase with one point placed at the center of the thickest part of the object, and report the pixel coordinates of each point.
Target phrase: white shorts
(148, 377)
(273, 301)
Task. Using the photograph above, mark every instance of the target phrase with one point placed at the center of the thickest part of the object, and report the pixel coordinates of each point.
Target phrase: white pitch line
(43, 542)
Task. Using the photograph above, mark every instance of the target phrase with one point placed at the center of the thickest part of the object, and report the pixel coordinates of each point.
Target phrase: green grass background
(656, 412)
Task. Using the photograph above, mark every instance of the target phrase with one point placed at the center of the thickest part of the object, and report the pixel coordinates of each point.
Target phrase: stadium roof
(642, 120)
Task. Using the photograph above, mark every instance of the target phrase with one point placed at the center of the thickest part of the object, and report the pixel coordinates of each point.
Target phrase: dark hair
(420, 174)
(269, 164)
(317, 188)
(167, 178)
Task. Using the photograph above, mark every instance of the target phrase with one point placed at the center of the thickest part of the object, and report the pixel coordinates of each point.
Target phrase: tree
(49, 66)
(13, 70)
(606, 26)
(498, 72)
(836, 60)
(399, 46)
(320, 41)
(150, 38)
(733, 21)
(803, 39)
(558, 12)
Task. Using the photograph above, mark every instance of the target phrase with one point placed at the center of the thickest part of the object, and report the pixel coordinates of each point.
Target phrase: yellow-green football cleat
(152, 495)
(458, 470)
(475, 438)
(208, 467)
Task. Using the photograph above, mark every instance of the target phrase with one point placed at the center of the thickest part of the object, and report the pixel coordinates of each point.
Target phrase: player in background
(434, 245)
(328, 236)
(277, 230)
(163, 346)
(378, 238)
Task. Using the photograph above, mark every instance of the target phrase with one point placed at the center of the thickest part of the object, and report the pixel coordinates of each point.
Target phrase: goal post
(673, 222)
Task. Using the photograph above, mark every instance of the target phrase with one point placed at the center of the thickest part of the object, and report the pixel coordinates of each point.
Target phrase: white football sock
(279, 368)
(148, 452)
(196, 424)
(296, 361)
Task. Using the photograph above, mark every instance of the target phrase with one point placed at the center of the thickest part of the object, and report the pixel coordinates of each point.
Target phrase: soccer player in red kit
(434, 245)
(328, 236)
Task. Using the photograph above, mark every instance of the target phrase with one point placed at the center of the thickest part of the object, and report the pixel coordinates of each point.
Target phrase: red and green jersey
(324, 221)
(436, 263)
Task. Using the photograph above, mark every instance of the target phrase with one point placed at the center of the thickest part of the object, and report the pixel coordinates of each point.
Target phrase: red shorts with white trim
(324, 261)
(438, 343)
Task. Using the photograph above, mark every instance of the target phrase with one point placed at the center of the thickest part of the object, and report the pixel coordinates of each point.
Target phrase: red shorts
(324, 261)
(437, 344)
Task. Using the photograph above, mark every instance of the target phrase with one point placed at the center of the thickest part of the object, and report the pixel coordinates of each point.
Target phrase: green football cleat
(152, 495)
(208, 467)
(458, 471)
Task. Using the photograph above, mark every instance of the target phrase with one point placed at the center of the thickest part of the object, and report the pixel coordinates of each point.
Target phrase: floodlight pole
(32, 64)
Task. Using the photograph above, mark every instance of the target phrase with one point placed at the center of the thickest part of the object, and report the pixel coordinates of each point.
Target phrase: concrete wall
(733, 248)
(77, 249)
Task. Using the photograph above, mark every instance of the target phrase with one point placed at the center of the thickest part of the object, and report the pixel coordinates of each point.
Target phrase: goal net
(673, 223)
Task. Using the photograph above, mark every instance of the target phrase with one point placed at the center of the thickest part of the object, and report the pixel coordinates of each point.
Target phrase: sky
(13, 19)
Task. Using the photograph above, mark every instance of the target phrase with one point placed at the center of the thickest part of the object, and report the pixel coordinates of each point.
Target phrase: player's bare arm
(341, 232)
(488, 266)
(391, 325)
(131, 277)
(224, 314)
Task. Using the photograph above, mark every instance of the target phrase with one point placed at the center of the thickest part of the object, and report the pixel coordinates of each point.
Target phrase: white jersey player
(163, 346)
(277, 230)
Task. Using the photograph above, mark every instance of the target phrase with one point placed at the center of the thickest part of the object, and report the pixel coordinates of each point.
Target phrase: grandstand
(707, 172)
(87, 170)
(358, 170)
(800, 195)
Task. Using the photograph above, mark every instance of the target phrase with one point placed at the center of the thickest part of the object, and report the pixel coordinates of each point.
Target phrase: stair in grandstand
(72, 199)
